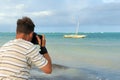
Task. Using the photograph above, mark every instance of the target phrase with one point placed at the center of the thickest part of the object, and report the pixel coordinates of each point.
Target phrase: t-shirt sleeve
(36, 58)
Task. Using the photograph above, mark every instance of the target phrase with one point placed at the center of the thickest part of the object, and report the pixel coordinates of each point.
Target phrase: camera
(34, 39)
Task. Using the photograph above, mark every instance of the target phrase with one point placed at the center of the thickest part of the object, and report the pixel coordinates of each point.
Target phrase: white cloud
(2, 14)
(20, 6)
(14, 7)
(40, 13)
(9, 18)
(33, 14)
(13, 10)
(111, 1)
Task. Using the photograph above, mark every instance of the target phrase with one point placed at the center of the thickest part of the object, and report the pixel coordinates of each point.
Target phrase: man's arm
(47, 68)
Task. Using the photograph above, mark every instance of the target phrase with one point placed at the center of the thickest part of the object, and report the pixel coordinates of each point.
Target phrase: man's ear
(31, 35)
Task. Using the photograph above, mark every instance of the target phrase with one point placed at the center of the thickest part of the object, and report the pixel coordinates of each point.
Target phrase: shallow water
(66, 73)
(95, 57)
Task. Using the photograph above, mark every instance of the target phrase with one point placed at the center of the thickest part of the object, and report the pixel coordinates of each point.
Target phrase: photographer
(17, 56)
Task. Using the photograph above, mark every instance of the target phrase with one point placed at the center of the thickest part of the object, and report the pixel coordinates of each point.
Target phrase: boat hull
(74, 36)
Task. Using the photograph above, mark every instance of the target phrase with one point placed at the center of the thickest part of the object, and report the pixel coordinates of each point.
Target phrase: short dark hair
(25, 25)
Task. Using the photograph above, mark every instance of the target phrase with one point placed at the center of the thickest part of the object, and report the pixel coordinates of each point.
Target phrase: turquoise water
(95, 57)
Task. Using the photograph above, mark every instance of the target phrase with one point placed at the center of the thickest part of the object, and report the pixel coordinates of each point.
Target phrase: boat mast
(77, 28)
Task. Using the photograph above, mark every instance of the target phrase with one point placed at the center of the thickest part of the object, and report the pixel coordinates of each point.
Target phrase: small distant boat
(76, 35)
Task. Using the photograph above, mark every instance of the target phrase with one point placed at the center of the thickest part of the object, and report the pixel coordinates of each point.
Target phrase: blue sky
(62, 15)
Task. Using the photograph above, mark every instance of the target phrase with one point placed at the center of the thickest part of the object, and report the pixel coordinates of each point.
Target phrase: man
(17, 56)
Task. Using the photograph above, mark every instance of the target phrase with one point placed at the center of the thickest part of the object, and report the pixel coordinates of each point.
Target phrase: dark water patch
(57, 78)
(60, 72)
(56, 66)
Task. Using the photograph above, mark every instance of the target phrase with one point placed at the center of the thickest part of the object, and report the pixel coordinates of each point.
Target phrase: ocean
(95, 57)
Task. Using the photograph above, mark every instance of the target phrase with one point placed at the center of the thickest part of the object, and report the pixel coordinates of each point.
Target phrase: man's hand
(41, 42)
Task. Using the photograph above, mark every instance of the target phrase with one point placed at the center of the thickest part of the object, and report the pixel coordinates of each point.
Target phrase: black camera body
(34, 39)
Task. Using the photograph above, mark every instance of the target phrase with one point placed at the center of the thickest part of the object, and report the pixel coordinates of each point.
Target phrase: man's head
(25, 26)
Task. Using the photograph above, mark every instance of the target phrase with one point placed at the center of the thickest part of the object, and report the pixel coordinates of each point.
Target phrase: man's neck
(22, 36)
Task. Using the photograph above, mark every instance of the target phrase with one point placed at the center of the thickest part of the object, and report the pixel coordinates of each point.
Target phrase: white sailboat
(76, 35)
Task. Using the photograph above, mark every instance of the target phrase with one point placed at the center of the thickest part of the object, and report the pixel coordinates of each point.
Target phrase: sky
(62, 15)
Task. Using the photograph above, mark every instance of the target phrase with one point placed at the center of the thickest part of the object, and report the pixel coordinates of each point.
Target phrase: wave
(61, 72)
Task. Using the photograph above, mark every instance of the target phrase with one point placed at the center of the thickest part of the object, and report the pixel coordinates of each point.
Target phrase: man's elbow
(49, 71)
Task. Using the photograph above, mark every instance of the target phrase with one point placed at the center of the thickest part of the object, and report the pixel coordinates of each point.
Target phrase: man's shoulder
(19, 42)
(23, 43)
